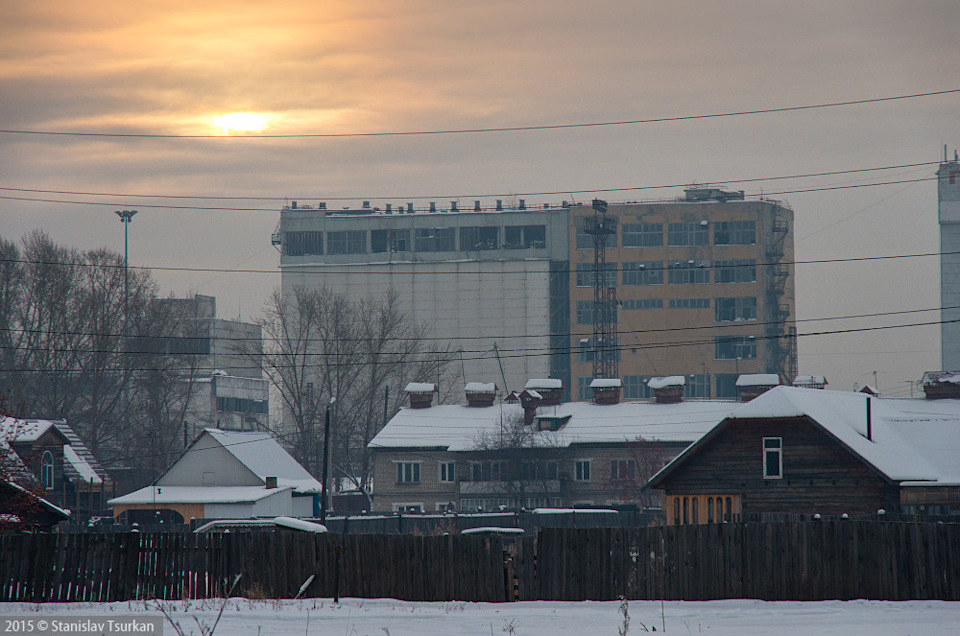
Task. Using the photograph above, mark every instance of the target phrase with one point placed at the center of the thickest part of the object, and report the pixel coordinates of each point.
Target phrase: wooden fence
(771, 561)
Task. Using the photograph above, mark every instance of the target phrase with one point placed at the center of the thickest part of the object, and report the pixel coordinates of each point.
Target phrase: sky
(340, 68)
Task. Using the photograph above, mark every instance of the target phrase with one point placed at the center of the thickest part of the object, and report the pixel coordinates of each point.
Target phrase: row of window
(639, 273)
(698, 386)
(697, 509)
(677, 234)
(735, 309)
(242, 405)
(497, 470)
(436, 239)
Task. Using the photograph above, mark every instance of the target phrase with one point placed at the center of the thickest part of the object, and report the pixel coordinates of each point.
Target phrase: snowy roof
(458, 428)
(20, 430)
(266, 458)
(606, 383)
(197, 494)
(941, 377)
(758, 379)
(544, 383)
(480, 387)
(420, 387)
(84, 470)
(807, 380)
(63, 512)
(80, 462)
(282, 522)
(661, 383)
(913, 441)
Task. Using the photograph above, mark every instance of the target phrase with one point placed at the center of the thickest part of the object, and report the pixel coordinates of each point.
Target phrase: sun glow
(241, 122)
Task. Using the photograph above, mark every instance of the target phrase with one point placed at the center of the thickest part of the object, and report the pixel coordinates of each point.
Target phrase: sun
(241, 122)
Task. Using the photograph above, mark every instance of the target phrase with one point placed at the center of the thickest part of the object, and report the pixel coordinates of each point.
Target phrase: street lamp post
(125, 217)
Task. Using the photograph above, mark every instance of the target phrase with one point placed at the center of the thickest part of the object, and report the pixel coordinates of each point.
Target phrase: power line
(504, 129)
(129, 195)
(274, 210)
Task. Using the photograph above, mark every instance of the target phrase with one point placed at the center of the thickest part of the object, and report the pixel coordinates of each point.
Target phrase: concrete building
(948, 191)
(704, 285)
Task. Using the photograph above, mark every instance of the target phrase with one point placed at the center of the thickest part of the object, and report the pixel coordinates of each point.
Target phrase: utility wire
(130, 195)
(460, 131)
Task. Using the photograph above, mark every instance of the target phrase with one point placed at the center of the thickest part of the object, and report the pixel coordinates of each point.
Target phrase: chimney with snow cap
(550, 390)
(668, 390)
(480, 394)
(938, 385)
(606, 390)
(420, 394)
(753, 384)
(529, 401)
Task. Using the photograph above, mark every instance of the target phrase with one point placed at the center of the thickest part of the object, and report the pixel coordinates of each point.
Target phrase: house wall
(819, 476)
(187, 510)
(429, 493)
(205, 461)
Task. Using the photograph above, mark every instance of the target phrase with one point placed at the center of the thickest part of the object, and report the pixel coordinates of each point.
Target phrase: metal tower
(605, 346)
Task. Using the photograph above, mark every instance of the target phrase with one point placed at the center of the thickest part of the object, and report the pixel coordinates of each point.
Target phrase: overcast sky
(171, 67)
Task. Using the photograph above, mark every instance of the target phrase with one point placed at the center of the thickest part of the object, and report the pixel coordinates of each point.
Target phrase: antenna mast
(605, 348)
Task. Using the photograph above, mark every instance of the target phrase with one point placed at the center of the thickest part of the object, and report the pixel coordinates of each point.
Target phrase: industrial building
(701, 285)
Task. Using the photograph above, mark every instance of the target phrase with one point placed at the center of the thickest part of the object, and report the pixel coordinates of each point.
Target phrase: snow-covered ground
(386, 617)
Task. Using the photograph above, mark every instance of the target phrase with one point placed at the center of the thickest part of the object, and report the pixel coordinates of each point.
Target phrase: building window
(642, 303)
(434, 239)
(479, 238)
(303, 243)
(676, 511)
(686, 510)
(585, 241)
(735, 309)
(586, 351)
(735, 348)
(679, 234)
(709, 509)
(622, 469)
(352, 242)
(689, 273)
(47, 470)
(585, 275)
(531, 470)
(408, 472)
(642, 235)
(695, 511)
(635, 387)
(448, 471)
(242, 405)
(726, 385)
(735, 233)
(743, 270)
(698, 386)
(582, 470)
(643, 273)
(488, 471)
(585, 312)
(516, 237)
(389, 241)
(408, 507)
(772, 457)
(584, 392)
(689, 303)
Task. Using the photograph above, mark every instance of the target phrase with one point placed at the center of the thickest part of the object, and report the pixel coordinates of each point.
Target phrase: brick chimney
(480, 394)
(529, 401)
(420, 394)
(271, 482)
(938, 385)
(606, 391)
(753, 384)
(550, 390)
(668, 390)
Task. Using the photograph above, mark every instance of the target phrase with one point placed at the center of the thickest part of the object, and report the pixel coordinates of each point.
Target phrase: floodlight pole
(326, 460)
(126, 216)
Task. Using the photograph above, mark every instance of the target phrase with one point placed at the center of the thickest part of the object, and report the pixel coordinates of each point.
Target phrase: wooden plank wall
(771, 561)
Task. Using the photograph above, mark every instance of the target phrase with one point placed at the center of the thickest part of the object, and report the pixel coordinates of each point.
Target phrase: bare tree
(320, 344)
(629, 481)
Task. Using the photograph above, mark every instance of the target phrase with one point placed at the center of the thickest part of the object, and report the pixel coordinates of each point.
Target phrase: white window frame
(47, 470)
(579, 474)
(778, 450)
(447, 472)
(414, 473)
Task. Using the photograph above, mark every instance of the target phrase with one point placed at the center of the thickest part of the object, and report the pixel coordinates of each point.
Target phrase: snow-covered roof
(606, 383)
(266, 458)
(63, 512)
(544, 383)
(283, 522)
(941, 377)
(197, 494)
(810, 380)
(420, 387)
(480, 387)
(83, 469)
(758, 379)
(911, 440)
(458, 428)
(661, 383)
(80, 462)
(23, 431)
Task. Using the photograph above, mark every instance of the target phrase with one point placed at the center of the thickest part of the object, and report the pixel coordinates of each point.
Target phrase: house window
(582, 470)
(686, 510)
(709, 509)
(47, 470)
(642, 234)
(676, 511)
(695, 511)
(408, 472)
(408, 507)
(448, 471)
(772, 457)
(488, 471)
(643, 273)
(622, 469)
(735, 233)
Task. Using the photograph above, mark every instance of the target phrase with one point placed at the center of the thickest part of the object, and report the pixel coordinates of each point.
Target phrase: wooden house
(807, 451)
